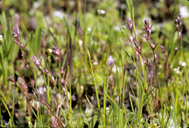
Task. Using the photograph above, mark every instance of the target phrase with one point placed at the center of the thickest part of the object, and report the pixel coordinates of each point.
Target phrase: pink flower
(56, 51)
(36, 61)
(11, 79)
(23, 85)
(54, 121)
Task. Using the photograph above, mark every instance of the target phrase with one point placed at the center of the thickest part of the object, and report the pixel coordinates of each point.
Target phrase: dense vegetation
(94, 63)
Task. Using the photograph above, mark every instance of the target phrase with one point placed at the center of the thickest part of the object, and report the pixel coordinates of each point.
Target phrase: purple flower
(110, 61)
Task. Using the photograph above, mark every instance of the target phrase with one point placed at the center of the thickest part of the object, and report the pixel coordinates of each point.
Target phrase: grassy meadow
(94, 63)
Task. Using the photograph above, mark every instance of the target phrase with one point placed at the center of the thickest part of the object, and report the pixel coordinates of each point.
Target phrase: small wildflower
(95, 63)
(11, 79)
(27, 66)
(110, 61)
(54, 122)
(23, 85)
(179, 35)
(58, 59)
(53, 80)
(42, 90)
(155, 57)
(59, 100)
(117, 28)
(23, 54)
(162, 49)
(183, 64)
(177, 70)
(147, 28)
(184, 11)
(131, 39)
(50, 50)
(176, 49)
(56, 51)
(16, 34)
(1, 37)
(46, 71)
(102, 11)
(137, 56)
(129, 24)
(146, 62)
(80, 43)
(137, 47)
(36, 61)
(89, 29)
(58, 14)
(62, 80)
(61, 70)
(152, 46)
(178, 25)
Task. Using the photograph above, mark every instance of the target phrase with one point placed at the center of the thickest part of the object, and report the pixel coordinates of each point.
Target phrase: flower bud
(179, 35)
(146, 62)
(176, 49)
(146, 21)
(152, 46)
(162, 48)
(155, 57)
(11, 79)
(136, 44)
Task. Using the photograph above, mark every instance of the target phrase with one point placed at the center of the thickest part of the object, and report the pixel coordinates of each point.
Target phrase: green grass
(89, 92)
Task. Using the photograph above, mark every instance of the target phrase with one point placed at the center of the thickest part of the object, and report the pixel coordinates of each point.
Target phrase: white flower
(58, 14)
(42, 90)
(183, 64)
(184, 11)
(80, 43)
(102, 11)
(176, 70)
(95, 63)
(1, 37)
(117, 28)
(89, 29)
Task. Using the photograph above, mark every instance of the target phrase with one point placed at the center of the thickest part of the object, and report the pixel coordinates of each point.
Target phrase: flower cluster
(163, 50)
(129, 24)
(37, 62)
(16, 34)
(147, 28)
(179, 25)
(57, 52)
(137, 47)
(22, 83)
(130, 27)
(11, 79)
